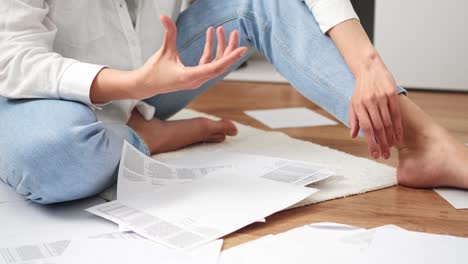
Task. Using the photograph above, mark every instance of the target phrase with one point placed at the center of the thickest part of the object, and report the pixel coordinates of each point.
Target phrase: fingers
(226, 56)
(221, 43)
(207, 56)
(367, 129)
(387, 122)
(170, 36)
(222, 49)
(353, 122)
(395, 114)
(379, 130)
(209, 71)
(233, 42)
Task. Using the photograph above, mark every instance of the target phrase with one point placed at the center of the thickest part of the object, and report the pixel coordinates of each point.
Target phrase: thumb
(170, 36)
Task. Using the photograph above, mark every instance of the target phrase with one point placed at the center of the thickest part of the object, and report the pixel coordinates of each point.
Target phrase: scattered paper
(136, 251)
(290, 117)
(33, 252)
(108, 250)
(323, 243)
(336, 243)
(187, 215)
(8, 194)
(457, 198)
(397, 246)
(139, 173)
(24, 223)
(283, 170)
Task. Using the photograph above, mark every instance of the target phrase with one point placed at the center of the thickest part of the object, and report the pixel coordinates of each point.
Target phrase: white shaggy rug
(355, 175)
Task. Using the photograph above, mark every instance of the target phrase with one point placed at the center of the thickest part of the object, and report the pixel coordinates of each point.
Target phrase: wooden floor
(418, 210)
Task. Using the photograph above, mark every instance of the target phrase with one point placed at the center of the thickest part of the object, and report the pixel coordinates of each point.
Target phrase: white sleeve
(28, 66)
(330, 13)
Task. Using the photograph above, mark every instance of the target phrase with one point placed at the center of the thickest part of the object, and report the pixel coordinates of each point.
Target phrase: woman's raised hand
(164, 72)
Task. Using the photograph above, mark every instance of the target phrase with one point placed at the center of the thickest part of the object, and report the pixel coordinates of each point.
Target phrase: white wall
(424, 42)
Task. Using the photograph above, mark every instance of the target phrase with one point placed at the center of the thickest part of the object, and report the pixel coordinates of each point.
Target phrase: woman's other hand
(375, 109)
(375, 105)
(164, 72)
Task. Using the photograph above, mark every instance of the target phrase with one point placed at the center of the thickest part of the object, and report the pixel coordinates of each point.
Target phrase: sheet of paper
(396, 246)
(108, 250)
(308, 244)
(298, 173)
(8, 194)
(283, 170)
(315, 243)
(187, 215)
(137, 251)
(290, 117)
(139, 173)
(45, 251)
(23, 223)
(33, 252)
(457, 198)
(119, 235)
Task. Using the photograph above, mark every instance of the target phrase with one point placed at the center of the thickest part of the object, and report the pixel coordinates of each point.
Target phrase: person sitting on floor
(77, 78)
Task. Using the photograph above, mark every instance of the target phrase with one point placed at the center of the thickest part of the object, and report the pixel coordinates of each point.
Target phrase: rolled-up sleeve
(329, 13)
(29, 68)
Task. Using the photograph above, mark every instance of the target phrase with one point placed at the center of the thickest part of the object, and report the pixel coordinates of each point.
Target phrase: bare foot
(430, 156)
(164, 136)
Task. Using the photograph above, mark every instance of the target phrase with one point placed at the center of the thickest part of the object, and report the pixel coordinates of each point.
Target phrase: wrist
(368, 60)
(110, 85)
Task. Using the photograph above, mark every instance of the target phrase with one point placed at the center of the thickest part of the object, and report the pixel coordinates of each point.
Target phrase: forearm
(110, 85)
(355, 46)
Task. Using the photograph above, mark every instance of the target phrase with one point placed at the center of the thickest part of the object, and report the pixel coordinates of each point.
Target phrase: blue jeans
(54, 151)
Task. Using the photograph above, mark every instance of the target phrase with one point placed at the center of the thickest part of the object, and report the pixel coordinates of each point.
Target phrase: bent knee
(60, 180)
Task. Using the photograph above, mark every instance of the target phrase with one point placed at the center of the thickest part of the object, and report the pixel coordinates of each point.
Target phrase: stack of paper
(183, 208)
(334, 243)
(187, 206)
(188, 215)
(283, 170)
(66, 233)
(139, 173)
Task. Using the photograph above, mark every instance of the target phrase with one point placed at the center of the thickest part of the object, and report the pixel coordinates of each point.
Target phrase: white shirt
(55, 48)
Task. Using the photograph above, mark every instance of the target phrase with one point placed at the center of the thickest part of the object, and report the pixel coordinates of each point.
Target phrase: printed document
(115, 251)
(139, 173)
(188, 215)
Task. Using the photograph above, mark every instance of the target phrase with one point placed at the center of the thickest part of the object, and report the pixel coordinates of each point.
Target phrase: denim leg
(288, 35)
(55, 151)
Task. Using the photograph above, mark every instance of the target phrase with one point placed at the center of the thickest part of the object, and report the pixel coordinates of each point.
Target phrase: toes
(216, 138)
(230, 128)
(223, 126)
